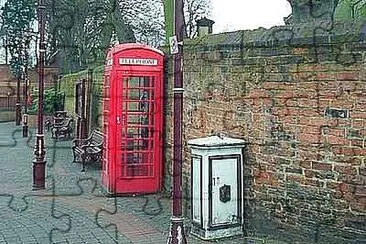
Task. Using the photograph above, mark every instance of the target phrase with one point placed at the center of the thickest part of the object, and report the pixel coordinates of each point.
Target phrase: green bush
(52, 101)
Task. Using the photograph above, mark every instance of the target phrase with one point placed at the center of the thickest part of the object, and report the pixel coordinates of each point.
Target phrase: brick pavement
(72, 209)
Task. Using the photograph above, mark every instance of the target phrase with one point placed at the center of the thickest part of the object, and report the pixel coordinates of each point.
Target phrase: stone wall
(298, 97)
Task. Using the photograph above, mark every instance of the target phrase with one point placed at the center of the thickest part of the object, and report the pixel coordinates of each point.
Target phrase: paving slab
(72, 208)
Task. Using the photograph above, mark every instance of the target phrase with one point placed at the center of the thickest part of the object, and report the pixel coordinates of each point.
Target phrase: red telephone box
(132, 119)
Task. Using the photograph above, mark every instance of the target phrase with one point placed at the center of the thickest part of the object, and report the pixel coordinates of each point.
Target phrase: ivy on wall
(68, 87)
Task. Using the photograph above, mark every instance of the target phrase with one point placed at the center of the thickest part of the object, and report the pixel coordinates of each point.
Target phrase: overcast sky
(230, 15)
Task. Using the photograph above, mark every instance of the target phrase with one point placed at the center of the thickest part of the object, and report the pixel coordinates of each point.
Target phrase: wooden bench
(57, 119)
(63, 128)
(88, 150)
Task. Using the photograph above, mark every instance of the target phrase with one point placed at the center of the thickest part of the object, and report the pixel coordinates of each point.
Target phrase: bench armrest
(80, 142)
(86, 142)
(84, 147)
(100, 144)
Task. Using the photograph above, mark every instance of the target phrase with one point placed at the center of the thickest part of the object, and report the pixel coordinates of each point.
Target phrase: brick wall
(300, 102)
(8, 84)
(5, 73)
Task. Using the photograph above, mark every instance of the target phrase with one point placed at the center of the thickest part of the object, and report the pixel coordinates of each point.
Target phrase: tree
(81, 31)
(17, 19)
(195, 10)
(350, 9)
(146, 19)
(85, 29)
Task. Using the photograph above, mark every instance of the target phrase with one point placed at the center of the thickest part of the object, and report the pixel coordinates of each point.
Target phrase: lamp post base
(25, 130)
(176, 235)
(25, 124)
(39, 172)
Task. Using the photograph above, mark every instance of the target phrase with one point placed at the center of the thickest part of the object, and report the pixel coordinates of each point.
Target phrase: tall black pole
(6, 49)
(89, 86)
(25, 95)
(17, 105)
(177, 234)
(39, 163)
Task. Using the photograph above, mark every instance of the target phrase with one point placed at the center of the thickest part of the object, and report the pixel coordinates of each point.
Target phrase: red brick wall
(9, 84)
(305, 170)
(5, 73)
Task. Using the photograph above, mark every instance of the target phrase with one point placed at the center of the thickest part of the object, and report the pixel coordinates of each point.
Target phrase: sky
(231, 15)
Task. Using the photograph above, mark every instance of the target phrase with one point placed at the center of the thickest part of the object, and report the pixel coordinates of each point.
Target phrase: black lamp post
(17, 105)
(39, 163)
(25, 94)
(177, 235)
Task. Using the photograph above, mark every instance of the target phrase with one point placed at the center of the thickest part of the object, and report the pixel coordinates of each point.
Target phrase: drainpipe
(177, 235)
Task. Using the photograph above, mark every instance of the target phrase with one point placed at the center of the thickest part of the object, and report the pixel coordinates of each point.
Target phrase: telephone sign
(138, 61)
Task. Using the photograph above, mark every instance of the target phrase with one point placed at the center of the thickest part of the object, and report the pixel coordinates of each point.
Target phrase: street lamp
(39, 163)
(177, 235)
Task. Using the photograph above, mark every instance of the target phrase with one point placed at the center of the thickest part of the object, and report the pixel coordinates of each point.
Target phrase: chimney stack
(204, 26)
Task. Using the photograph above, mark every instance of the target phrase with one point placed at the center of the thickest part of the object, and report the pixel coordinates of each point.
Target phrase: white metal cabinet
(216, 187)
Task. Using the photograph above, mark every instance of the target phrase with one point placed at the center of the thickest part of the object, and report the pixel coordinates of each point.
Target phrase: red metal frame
(133, 120)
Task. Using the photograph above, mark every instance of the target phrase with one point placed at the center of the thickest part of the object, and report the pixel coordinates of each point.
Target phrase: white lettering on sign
(138, 61)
